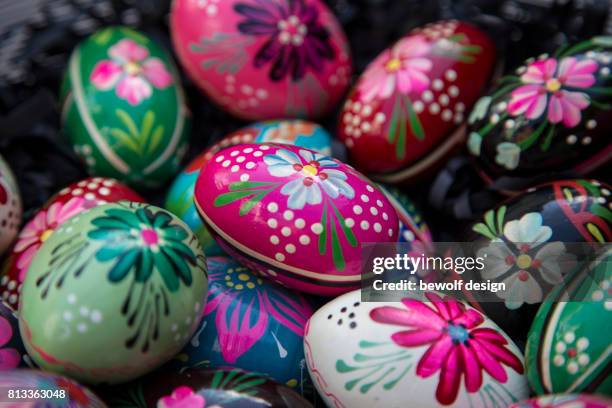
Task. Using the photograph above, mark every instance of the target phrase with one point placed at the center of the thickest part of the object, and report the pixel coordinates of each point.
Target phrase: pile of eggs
(242, 289)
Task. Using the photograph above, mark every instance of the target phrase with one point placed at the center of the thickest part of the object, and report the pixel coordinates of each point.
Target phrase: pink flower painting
(131, 72)
(402, 68)
(182, 397)
(457, 347)
(9, 357)
(554, 86)
(40, 228)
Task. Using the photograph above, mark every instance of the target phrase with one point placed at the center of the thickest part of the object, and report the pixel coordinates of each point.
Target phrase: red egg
(406, 112)
(66, 204)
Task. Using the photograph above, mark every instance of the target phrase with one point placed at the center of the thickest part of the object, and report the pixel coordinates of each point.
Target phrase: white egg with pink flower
(428, 350)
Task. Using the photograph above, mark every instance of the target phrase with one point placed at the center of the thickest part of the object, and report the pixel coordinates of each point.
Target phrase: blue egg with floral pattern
(249, 323)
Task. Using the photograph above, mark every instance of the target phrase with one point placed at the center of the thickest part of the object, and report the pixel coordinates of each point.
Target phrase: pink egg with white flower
(263, 59)
(428, 350)
(294, 215)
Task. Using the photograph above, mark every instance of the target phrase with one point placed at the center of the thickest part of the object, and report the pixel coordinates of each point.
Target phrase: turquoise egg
(249, 323)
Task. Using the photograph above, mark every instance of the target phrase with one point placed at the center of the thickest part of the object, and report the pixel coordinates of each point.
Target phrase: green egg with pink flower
(123, 108)
(550, 114)
(113, 293)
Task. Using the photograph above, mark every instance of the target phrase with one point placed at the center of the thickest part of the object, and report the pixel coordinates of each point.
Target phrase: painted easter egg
(70, 201)
(551, 114)
(180, 196)
(293, 215)
(263, 59)
(565, 401)
(526, 244)
(123, 108)
(113, 293)
(12, 352)
(38, 389)
(413, 228)
(246, 317)
(406, 112)
(568, 347)
(198, 388)
(10, 207)
(434, 351)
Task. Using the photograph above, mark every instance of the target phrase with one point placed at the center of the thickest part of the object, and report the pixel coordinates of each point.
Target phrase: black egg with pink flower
(550, 114)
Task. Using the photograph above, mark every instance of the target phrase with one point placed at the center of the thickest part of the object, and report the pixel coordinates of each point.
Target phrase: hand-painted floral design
(142, 241)
(9, 357)
(402, 68)
(296, 40)
(315, 173)
(550, 85)
(520, 255)
(182, 397)
(457, 346)
(131, 71)
(572, 353)
(40, 228)
(244, 305)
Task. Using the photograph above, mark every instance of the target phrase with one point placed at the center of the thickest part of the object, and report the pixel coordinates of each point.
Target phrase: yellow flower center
(393, 64)
(553, 85)
(310, 170)
(238, 280)
(523, 261)
(132, 68)
(45, 235)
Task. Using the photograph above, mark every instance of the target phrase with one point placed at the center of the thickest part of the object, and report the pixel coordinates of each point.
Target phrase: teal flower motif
(141, 241)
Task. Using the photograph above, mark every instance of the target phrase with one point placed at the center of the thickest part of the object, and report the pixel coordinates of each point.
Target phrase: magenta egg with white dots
(294, 215)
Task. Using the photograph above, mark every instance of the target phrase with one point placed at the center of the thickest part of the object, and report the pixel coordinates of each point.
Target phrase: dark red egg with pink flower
(549, 115)
(66, 204)
(263, 59)
(405, 114)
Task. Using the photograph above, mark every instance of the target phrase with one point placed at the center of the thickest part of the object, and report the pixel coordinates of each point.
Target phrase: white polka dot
(453, 91)
(427, 96)
(377, 227)
(67, 316)
(304, 239)
(226, 163)
(357, 209)
(244, 177)
(71, 298)
(219, 158)
(437, 84)
(288, 215)
(234, 153)
(279, 257)
(365, 198)
(443, 99)
(240, 159)
(273, 207)
(370, 188)
(248, 150)
(418, 106)
(450, 75)
(300, 223)
(77, 191)
(390, 232)
(257, 154)
(264, 147)
(104, 191)
(290, 248)
(272, 223)
(373, 210)
(365, 225)
(447, 115)
(385, 216)
(286, 231)
(96, 316)
(250, 165)
(317, 228)
(274, 240)
(235, 168)
(434, 108)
